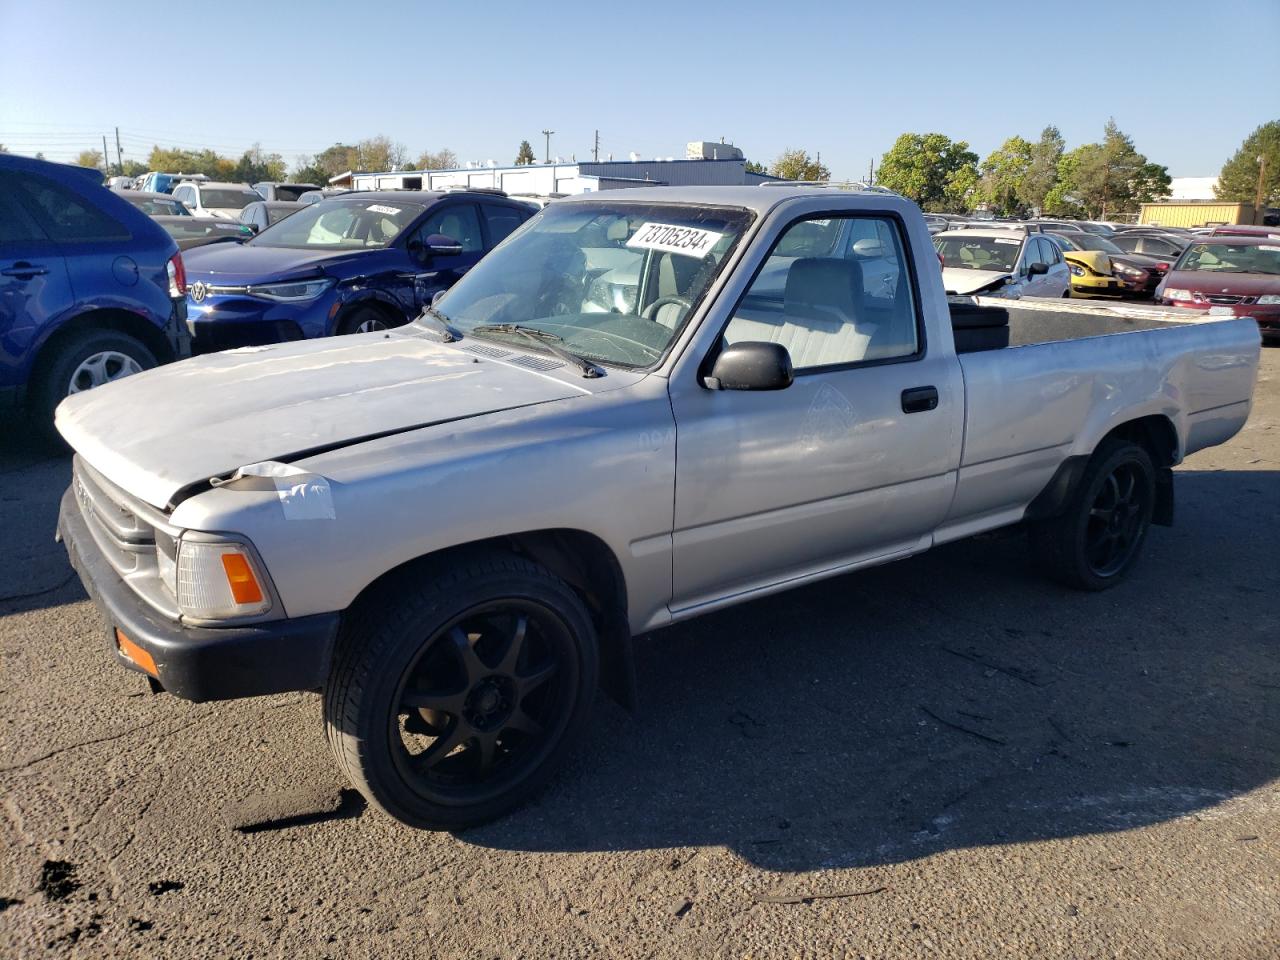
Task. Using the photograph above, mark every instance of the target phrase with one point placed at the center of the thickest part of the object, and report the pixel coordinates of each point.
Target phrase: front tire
(1095, 542)
(455, 694)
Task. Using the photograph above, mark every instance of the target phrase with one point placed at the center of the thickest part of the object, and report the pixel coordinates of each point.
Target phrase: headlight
(217, 580)
(1076, 270)
(293, 292)
(1175, 294)
(1269, 298)
(1125, 271)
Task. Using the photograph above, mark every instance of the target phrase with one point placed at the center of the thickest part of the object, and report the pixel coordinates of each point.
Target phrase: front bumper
(200, 663)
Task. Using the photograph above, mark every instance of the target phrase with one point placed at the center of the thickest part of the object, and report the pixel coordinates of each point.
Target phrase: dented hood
(962, 281)
(155, 433)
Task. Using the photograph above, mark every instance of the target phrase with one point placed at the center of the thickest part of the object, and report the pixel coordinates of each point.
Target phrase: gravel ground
(947, 756)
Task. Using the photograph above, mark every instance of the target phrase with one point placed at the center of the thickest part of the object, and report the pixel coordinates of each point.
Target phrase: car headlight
(293, 292)
(1076, 270)
(1125, 271)
(1269, 298)
(219, 579)
(1173, 293)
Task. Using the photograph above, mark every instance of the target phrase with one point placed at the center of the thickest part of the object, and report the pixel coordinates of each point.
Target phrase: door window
(15, 225)
(456, 220)
(63, 214)
(501, 221)
(852, 305)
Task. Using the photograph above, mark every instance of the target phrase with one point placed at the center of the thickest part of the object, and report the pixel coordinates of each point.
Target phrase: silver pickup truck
(641, 407)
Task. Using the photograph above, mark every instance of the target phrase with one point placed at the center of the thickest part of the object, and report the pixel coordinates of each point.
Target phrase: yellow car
(1090, 269)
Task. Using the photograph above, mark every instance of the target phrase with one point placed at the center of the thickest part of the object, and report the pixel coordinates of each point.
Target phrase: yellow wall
(1195, 214)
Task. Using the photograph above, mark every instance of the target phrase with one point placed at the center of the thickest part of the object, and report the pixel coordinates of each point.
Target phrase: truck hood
(963, 281)
(155, 433)
(250, 262)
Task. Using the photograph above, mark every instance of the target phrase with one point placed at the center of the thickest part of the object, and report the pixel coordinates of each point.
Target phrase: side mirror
(1037, 269)
(438, 245)
(752, 366)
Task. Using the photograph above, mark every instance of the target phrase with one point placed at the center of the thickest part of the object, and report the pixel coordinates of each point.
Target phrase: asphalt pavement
(944, 757)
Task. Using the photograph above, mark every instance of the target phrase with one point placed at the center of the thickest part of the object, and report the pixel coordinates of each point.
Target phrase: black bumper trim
(201, 663)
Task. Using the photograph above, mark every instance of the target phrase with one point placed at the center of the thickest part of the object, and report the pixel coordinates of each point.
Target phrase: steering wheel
(651, 311)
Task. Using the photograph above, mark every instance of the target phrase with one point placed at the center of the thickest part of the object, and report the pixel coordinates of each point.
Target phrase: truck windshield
(228, 199)
(615, 281)
(1232, 258)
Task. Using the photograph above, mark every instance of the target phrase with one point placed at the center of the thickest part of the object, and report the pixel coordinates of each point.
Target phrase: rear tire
(456, 692)
(83, 360)
(1095, 542)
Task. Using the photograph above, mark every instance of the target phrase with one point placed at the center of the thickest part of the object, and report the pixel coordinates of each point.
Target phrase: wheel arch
(100, 318)
(369, 300)
(582, 560)
(1155, 433)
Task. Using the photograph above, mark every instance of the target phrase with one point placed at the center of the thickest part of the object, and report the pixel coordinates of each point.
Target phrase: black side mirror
(752, 366)
(1037, 269)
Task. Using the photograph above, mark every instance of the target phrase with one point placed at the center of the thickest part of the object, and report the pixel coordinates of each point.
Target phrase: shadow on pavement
(952, 700)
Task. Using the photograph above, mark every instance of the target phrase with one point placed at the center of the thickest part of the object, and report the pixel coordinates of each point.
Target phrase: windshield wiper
(544, 338)
(442, 323)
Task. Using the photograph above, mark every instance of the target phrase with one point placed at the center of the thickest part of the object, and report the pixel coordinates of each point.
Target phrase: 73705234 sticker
(672, 238)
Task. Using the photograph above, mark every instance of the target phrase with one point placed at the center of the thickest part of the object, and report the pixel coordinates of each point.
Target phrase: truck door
(855, 460)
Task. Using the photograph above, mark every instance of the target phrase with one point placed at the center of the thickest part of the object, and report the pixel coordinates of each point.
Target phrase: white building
(1192, 188)
(705, 164)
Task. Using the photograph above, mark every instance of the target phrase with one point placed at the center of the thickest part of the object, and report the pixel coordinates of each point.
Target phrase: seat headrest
(825, 283)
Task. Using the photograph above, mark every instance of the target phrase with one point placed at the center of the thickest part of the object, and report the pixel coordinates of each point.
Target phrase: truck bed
(1034, 320)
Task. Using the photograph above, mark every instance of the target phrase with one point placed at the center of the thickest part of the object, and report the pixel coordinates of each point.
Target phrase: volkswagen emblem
(199, 290)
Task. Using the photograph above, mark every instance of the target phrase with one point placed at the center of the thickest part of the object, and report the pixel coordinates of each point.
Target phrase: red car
(1237, 272)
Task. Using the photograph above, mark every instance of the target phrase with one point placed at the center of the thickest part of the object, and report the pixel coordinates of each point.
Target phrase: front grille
(132, 536)
(1225, 299)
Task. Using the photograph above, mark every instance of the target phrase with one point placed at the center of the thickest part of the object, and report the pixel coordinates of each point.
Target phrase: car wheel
(88, 359)
(366, 320)
(453, 697)
(1095, 541)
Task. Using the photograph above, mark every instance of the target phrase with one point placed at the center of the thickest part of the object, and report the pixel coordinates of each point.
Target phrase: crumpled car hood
(155, 433)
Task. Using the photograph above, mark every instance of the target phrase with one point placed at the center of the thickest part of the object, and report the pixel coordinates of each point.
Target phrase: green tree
(1042, 174)
(205, 161)
(337, 159)
(1238, 181)
(132, 168)
(524, 156)
(754, 167)
(939, 174)
(380, 153)
(255, 166)
(1111, 178)
(443, 159)
(90, 158)
(310, 173)
(1003, 175)
(796, 164)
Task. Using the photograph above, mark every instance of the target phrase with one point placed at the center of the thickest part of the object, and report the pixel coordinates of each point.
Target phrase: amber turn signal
(244, 585)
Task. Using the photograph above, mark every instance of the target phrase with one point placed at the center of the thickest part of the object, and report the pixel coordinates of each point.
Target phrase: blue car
(349, 264)
(91, 289)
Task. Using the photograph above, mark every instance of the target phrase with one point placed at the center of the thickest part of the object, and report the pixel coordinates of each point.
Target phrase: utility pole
(106, 162)
(547, 134)
(595, 152)
(1257, 198)
(119, 154)
(871, 172)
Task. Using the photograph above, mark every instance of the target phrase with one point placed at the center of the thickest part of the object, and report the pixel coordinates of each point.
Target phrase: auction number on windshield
(671, 238)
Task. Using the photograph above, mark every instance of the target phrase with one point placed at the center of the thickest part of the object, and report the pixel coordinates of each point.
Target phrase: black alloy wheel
(480, 705)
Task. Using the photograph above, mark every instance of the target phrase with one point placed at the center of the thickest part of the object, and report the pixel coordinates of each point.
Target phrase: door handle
(919, 399)
(23, 270)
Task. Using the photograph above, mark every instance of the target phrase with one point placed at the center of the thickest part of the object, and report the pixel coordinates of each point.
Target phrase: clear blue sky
(1188, 81)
